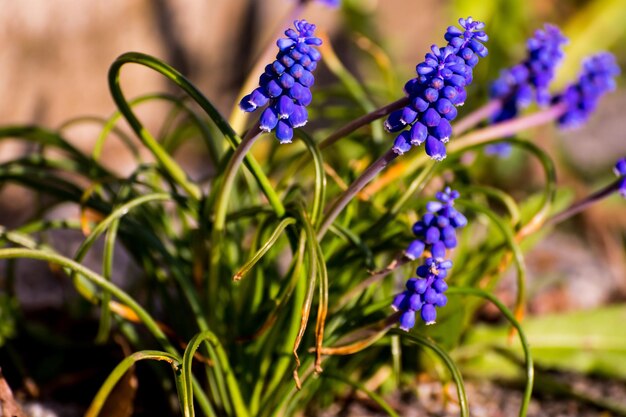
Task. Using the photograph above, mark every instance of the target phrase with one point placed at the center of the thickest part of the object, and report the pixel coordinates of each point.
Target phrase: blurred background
(56, 53)
(56, 56)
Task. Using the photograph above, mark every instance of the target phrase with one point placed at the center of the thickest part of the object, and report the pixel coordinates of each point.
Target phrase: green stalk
(182, 82)
(454, 371)
(104, 327)
(143, 316)
(530, 369)
(320, 177)
(126, 140)
(228, 180)
(168, 163)
(505, 199)
(371, 394)
(284, 339)
(518, 256)
(234, 393)
(263, 250)
(99, 281)
(105, 390)
(106, 223)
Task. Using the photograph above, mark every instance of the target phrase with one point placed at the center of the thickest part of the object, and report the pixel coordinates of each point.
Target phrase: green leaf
(583, 341)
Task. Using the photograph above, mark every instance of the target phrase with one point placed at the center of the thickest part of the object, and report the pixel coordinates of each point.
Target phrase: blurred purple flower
(581, 99)
(519, 85)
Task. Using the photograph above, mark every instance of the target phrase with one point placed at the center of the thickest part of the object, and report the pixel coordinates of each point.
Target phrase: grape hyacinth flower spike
(285, 84)
(436, 91)
(519, 85)
(581, 99)
(329, 3)
(435, 232)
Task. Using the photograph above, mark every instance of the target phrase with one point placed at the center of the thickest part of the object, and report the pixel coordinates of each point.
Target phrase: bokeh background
(56, 53)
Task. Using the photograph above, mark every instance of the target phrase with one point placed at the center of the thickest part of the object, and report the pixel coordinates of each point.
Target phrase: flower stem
(363, 121)
(507, 128)
(354, 189)
(221, 204)
(476, 116)
(584, 203)
(475, 138)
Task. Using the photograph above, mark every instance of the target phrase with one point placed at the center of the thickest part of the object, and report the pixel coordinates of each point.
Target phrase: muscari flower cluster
(518, 85)
(582, 98)
(330, 3)
(286, 83)
(620, 171)
(436, 232)
(436, 91)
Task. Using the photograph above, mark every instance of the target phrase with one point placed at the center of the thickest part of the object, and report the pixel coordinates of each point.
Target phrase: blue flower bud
(268, 120)
(421, 285)
(298, 117)
(429, 314)
(407, 320)
(284, 132)
(430, 296)
(306, 78)
(415, 249)
(438, 250)
(441, 300)
(451, 115)
(402, 143)
(419, 104)
(440, 286)
(285, 43)
(394, 122)
(286, 81)
(300, 94)
(432, 235)
(296, 71)
(433, 207)
(442, 131)
(435, 148)
(284, 107)
(422, 271)
(431, 95)
(246, 104)
(272, 88)
(431, 118)
(399, 302)
(415, 302)
(418, 133)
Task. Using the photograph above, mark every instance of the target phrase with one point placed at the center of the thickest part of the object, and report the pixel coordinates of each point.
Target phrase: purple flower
(519, 85)
(436, 91)
(620, 171)
(285, 84)
(329, 3)
(435, 232)
(582, 98)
